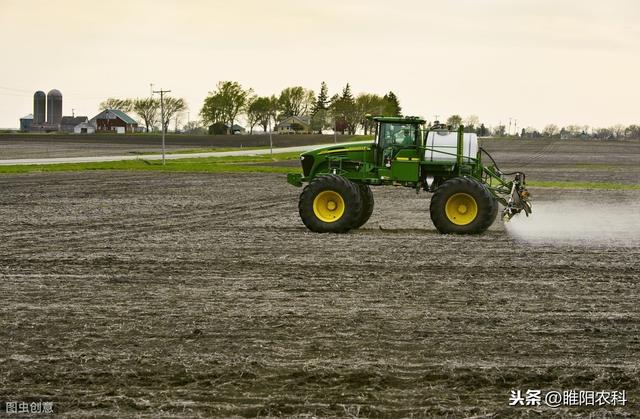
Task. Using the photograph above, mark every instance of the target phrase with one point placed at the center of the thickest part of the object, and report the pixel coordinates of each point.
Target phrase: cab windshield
(402, 135)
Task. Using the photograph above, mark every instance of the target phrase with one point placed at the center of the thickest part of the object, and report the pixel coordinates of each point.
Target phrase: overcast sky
(540, 61)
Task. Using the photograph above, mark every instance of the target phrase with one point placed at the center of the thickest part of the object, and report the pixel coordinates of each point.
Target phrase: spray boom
(519, 199)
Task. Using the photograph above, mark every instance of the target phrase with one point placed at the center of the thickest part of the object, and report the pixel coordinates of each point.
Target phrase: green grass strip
(203, 150)
(205, 164)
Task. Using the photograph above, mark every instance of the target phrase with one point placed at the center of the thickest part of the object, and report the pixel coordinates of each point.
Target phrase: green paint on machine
(406, 153)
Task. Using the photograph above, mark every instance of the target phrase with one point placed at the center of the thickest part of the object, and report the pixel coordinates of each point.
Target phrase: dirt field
(570, 160)
(198, 295)
(26, 146)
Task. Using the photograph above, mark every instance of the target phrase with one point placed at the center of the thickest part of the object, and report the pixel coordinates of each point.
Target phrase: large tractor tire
(494, 210)
(366, 196)
(462, 206)
(330, 204)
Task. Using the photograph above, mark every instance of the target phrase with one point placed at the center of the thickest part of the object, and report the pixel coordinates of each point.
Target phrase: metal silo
(54, 107)
(39, 101)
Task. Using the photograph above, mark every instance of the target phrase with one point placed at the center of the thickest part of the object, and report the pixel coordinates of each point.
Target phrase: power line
(30, 93)
(15, 90)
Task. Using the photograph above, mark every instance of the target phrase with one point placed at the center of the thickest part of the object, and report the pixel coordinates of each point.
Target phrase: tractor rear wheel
(330, 204)
(366, 196)
(462, 206)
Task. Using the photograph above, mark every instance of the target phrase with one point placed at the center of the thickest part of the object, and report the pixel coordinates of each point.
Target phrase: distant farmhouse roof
(114, 120)
(67, 123)
(26, 122)
(109, 113)
(73, 120)
(286, 125)
(303, 120)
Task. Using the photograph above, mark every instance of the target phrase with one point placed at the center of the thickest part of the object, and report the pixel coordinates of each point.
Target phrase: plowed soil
(202, 295)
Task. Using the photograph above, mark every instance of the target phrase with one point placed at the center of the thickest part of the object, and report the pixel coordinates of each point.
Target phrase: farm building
(220, 129)
(68, 123)
(25, 122)
(293, 124)
(84, 128)
(114, 120)
(237, 129)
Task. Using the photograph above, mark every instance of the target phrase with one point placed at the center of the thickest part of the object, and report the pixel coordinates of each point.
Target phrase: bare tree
(471, 122)
(454, 121)
(618, 130)
(172, 106)
(369, 104)
(194, 127)
(550, 130)
(253, 114)
(124, 105)
(147, 109)
(296, 101)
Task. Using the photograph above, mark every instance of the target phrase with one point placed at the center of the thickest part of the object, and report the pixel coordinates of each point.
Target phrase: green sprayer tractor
(447, 163)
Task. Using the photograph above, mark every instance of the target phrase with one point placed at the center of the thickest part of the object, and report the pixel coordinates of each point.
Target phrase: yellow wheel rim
(328, 206)
(461, 209)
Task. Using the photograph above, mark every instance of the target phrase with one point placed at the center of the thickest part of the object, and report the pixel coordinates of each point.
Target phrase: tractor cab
(398, 147)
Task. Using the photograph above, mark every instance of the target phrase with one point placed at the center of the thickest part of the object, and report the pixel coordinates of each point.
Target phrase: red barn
(113, 120)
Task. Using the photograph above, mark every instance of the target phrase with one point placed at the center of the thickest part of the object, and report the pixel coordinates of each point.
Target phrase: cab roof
(399, 119)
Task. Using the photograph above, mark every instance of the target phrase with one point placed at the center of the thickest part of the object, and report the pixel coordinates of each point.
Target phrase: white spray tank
(442, 146)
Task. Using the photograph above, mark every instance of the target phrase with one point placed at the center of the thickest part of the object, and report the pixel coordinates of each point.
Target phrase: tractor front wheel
(462, 206)
(330, 204)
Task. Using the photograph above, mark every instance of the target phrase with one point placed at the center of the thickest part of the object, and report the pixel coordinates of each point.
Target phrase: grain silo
(39, 101)
(54, 107)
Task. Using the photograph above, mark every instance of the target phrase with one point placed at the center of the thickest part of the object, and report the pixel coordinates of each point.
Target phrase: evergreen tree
(347, 97)
(393, 105)
(322, 101)
(349, 110)
(320, 110)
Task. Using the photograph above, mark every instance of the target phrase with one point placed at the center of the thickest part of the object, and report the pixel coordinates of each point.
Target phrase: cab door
(405, 165)
(400, 157)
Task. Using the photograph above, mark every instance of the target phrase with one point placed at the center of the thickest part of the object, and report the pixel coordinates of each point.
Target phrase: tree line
(472, 124)
(618, 131)
(342, 112)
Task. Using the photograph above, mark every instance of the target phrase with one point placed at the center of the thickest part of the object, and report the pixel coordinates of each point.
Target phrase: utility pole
(151, 89)
(73, 113)
(162, 92)
(516, 127)
(509, 132)
(270, 138)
